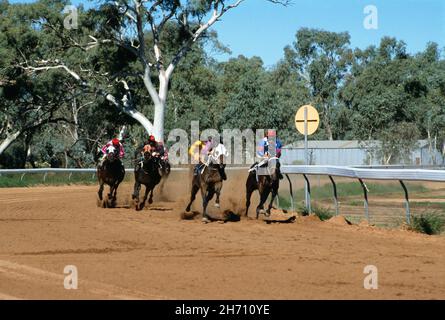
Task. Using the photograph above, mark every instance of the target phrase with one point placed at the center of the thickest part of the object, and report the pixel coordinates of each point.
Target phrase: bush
(428, 223)
(322, 213)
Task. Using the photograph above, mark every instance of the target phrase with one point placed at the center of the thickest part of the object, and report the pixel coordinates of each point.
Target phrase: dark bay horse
(165, 172)
(110, 172)
(210, 182)
(149, 173)
(264, 177)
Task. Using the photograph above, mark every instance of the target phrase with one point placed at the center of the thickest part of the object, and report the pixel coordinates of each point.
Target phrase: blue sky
(259, 28)
(262, 29)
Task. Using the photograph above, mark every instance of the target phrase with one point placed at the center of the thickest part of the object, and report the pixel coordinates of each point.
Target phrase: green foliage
(379, 92)
(355, 189)
(430, 223)
(52, 179)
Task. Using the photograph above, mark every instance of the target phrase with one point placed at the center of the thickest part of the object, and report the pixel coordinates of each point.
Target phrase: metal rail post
(308, 195)
(365, 195)
(291, 192)
(408, 213)
(334, 186)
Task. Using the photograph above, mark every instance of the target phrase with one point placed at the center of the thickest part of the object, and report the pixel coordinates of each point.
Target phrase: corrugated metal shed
(351, 153)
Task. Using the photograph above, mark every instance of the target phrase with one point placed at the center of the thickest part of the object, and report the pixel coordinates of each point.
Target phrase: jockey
(220, 150)
(195, 150)
(115, 143)
(207, 148)
(263, 147)
(265, 152)
(151, 145)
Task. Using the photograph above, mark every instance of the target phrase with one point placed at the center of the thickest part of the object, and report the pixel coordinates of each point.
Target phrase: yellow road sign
(313, 119)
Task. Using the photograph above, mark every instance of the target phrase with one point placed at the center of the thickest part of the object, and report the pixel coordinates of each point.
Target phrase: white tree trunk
(159, 116)
(143, 120)
(158, 124)
(9, 139)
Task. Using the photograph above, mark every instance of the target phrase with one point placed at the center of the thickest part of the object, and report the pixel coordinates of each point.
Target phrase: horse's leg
(274, 194)
(263, 198)
(195, 189)
(101, 190)
(249, 192)
(218, 188)
(250, 188)
(150, 200)
(116, 185)
(135, 196)
(110, 194)
(142, 205)
(206, 199)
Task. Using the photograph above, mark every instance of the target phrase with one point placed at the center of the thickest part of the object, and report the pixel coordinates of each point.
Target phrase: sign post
(307, 121)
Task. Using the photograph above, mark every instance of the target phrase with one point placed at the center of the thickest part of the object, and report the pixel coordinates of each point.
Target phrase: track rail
(359, 173)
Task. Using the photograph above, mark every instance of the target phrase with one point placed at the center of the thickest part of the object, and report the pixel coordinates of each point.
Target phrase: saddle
(262, 164)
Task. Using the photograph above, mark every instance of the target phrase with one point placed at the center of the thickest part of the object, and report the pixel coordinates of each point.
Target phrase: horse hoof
(205, 220)
(217, 205)
(150, 201)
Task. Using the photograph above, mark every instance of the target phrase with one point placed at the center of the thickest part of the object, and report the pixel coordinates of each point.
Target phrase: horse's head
(112, 153)
(147, 153)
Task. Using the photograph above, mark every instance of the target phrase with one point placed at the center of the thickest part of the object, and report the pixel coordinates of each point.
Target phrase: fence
(359, 173)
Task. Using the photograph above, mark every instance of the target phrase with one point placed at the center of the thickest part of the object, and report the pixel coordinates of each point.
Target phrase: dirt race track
(153, 254)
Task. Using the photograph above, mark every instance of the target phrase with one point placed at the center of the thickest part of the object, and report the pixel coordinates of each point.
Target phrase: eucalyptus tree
(143, 29)
(322, 59)
(26, 104)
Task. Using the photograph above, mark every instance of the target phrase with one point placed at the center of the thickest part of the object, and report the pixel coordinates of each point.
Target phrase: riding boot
(280, 175)
(196, 170)
(222, 173)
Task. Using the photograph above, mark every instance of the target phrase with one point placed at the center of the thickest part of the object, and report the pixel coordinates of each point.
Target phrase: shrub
(428, 223)
(322, 213)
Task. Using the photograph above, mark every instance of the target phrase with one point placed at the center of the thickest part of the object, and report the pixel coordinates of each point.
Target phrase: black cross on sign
(315, 120)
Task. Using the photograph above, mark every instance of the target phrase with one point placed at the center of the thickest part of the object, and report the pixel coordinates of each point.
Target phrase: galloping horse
(149, 173)
(165, 172)
(209, 180)
(266, 181)
(110, 172)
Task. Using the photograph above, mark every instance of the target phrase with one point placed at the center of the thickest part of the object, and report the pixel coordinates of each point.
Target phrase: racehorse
(165, 172)
(149, 173)
(110, 172)
(209, 181)
(265, 179)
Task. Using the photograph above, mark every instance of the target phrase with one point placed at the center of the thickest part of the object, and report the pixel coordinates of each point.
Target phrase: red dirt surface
(153, 254)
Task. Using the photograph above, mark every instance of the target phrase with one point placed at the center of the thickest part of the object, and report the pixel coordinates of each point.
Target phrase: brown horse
(165, 172)
(111, 172)
(210, 182)
(264, 177)
(149, 173)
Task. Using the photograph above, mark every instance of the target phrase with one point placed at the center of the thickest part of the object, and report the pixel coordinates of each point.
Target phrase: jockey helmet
(115, 141)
